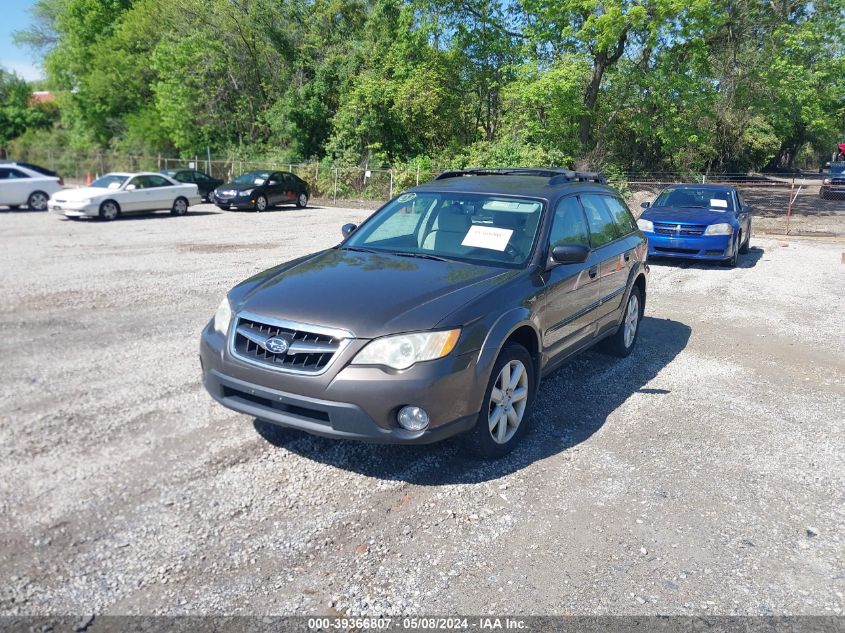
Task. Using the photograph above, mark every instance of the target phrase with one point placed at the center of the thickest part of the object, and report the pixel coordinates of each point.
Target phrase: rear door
(572, 290)
(162, 193)
(15, 186)
(623, 250)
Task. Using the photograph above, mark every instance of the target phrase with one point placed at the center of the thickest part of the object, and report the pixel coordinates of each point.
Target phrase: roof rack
(556, 175)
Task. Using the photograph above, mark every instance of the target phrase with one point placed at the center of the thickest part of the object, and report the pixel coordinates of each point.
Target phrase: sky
(15, 16)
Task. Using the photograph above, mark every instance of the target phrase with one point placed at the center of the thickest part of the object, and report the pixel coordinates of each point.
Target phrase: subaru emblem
(276, 345)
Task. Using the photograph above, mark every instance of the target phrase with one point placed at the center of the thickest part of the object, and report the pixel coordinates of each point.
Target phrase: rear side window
(184, 176)
(603, 227)
(7, 173)
(157, 181)
(568, 225)
(622, 216)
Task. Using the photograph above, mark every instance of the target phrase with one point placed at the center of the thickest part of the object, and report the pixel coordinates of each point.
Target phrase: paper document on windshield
(487, 237)
(718, 204)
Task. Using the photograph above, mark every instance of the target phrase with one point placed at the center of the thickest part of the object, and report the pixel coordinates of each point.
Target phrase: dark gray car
(438, 315)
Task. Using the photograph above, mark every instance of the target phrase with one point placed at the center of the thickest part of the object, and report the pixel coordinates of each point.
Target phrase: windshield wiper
(358, 249)
(419, 256)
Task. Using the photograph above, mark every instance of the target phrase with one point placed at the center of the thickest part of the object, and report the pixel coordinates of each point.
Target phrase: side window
(275, 178)
(12, 174)
(740, 200)
(199, 177)
(140, 182)
(602, 227)
(621, 214)
(185, 176)
(568, 224)
(157, 181)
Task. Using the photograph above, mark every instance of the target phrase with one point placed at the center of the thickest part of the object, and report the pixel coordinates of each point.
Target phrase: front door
(610, 250)
(572, 290)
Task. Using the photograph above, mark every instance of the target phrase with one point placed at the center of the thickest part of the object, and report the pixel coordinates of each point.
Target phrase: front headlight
(645, 225)
(722, 228)
(223, 316)
(403, 350)
(826, 181)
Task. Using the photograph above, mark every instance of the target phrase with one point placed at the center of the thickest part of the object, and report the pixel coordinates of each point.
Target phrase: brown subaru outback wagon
(439, 314)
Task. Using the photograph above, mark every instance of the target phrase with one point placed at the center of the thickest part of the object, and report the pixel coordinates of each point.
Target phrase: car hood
(83, 193)
(235, 186)
(368, 294)
(686, 215)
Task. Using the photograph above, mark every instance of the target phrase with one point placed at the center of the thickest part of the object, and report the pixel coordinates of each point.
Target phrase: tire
(180, 206)
(622, 343)
(109, 210)
(37, 201)
(732, 261)
(746, 244)
(302, 200)
(498, 420)
(260, 204)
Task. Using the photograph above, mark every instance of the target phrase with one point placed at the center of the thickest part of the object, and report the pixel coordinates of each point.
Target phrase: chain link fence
(782, 204)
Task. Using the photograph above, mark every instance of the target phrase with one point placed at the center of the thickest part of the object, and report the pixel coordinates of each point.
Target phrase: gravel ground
(703, 474)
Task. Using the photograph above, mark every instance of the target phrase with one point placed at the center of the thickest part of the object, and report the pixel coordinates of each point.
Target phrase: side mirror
(130, 187)
(645, 205)
(570, 254)
(348, 229)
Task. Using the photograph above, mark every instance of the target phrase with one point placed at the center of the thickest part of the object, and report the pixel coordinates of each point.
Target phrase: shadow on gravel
(274, 209)
(572, 404)
(749, 260)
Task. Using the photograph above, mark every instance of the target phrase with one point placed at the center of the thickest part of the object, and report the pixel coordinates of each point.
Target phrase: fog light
(412, 418)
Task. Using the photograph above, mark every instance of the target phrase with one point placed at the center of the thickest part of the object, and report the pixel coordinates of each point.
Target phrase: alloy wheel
(109, 211)
(632, 320)
(508, 401)
(37, 201)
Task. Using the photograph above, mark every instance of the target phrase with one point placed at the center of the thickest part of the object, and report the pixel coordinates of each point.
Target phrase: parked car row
(119, 193)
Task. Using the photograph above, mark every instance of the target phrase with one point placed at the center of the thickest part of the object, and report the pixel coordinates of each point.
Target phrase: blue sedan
(708, 222)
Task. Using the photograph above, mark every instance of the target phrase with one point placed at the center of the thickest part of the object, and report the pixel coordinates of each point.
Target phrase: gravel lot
(703, 474)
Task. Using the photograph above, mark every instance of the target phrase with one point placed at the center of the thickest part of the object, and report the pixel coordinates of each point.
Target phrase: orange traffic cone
(88, 179)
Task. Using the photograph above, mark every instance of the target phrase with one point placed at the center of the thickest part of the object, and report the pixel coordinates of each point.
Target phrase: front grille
(668, 228)
(307, 351)
(682, 251)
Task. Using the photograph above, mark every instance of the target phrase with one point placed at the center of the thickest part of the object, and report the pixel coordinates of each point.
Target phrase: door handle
(593, 272)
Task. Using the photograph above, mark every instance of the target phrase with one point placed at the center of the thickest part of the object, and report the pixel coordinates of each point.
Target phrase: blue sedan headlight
(722, 228)
(646, 226)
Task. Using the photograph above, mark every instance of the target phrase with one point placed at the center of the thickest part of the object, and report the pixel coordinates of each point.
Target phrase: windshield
(253, 178)
(476, 228)
(110, 181)
(692, 197)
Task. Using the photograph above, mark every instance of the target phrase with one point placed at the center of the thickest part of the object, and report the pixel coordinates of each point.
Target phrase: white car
(21, 185)
(114, 194)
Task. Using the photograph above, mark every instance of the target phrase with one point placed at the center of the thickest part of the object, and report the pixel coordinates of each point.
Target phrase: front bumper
(74, 209)
(709, 247)
(233, 202)
(347, 402)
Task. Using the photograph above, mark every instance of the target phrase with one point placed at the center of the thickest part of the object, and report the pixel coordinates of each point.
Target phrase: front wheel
(732, 261)
(261, 203)
(109, 210)
(746, 244)
(503, 419)
(180, 207)
(37, 201)
(302, 200)
(621, 344)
